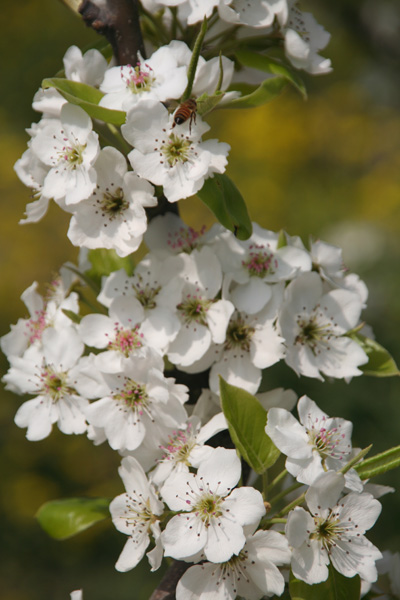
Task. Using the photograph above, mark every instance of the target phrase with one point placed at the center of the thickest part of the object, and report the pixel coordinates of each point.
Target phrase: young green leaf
(282, 241)
(380, 363)
(246, 423)
(75, 318)
(380, 463)
(206, 103)
(265, 92)
(264, 63)
(336, 587)
(105, 262)
(87, 97)
(223, 198)
(62, 519)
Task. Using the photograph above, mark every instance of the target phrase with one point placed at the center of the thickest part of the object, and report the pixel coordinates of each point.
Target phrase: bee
(186, 110)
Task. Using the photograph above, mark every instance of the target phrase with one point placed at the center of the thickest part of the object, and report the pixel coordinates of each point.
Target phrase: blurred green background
(328, 167)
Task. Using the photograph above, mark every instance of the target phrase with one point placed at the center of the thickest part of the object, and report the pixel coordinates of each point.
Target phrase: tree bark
(167, 587)
(118, 21)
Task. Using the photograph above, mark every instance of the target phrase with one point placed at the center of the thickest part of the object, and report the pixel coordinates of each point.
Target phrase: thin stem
(267, 522)
(289, 507)
(194, 60)
(213, 20)
(156, 25)
(285, 492)
(223, 35)
(265, 485)
(123, 144)
(277, 480)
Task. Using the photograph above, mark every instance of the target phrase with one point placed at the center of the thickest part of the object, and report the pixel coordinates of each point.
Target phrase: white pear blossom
(114, 216)
(70, 148)
(118, 334)
(84, 68)
(333, 532)
(135, 514)
(160, 77)
(252, 344)
(314, 445)
(174, 157)
(327, 260)
(168, 234)
(49, 102)
(45, 312)
(186, 447)
(32, 172)
(51, 374)
(252, 574)
(314, 325)
(208, 74)
(207, 406)
(253, 265)
(304, 38)
(157, 287)
(204, 319)
(134, 403)
(190, 11)
(212, 514)
(389, 574)
(253, 13)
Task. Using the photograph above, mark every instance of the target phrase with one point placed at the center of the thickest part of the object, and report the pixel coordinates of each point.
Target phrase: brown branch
(118, 21)
(167, 587)
(163, 207)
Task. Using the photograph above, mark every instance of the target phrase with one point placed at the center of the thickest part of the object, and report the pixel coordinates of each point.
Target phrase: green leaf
(265, 92)
(93, 285)
(206, 103)
(267, 65)
(282, 241)
(75, 318)
(62, 519)
(380, 463)
(336, 587)
(87, 97)
(105, 262)
(223, 198)
(81, 91)
(356, 459)
(380, 363)
(246, 422)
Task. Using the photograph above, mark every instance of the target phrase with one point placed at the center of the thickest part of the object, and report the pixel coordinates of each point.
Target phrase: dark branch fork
(118, 21)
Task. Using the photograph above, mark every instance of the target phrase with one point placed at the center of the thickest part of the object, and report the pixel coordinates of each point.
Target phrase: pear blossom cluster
(105, 190)
(203, 302)
(106, 183)
(302, 36)
(206, 302)
(140, 366)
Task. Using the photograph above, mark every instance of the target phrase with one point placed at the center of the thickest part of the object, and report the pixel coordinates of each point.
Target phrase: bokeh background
(327, 167)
